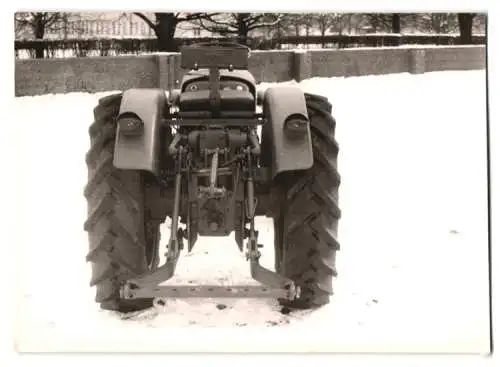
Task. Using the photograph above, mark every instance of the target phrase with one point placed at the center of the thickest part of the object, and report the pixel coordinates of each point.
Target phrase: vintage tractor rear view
(195, 155)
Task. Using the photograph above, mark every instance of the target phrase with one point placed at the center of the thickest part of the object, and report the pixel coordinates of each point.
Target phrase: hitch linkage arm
(139, 287)
(257, 271)
(272, 284)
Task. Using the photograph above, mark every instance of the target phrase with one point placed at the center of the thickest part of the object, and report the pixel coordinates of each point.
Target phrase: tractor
(212, 155)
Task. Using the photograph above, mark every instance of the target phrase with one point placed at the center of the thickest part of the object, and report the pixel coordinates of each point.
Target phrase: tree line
(244, 26)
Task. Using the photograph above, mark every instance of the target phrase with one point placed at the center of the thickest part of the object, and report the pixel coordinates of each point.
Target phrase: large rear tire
(306, 225)
(122, 242)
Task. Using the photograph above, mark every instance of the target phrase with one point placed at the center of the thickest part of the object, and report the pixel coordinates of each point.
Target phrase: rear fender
(142, 151)
(283, 148)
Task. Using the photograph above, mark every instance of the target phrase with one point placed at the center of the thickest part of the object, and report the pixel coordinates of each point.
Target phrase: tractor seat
(230, 100)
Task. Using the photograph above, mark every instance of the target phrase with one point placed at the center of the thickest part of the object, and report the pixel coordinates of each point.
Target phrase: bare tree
(436, 22)
(36, 25)
(324, 21)
(336, 22)
(293, 23)
(465, 21)
(164, 26)
(239, 24)
(348, 22)
(396, 23)
(289, 24)
(378, 22)
(385, 22)
(479, 23)
(443, 22)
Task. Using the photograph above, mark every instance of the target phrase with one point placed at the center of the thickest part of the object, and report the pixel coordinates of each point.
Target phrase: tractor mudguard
(286, 136)
(140, 151)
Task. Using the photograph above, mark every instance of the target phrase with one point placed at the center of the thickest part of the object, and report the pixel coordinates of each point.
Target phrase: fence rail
(133, 46)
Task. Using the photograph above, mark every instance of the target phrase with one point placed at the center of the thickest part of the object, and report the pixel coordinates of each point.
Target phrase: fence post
(167, 71)
(302, 65)
(163, 71)
(417, 62)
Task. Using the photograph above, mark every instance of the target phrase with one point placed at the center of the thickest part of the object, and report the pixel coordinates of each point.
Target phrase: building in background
(107, 25)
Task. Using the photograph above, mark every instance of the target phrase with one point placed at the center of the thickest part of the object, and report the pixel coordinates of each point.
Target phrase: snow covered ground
(413, 265)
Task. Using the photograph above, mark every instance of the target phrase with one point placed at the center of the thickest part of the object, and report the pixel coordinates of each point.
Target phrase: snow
(386, 48)
(413, 265)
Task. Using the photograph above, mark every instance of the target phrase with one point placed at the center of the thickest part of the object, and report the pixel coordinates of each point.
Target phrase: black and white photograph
(252, 182)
